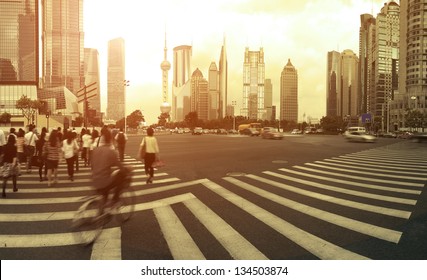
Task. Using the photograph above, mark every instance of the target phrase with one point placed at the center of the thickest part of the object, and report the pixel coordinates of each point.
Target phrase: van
(351, 129)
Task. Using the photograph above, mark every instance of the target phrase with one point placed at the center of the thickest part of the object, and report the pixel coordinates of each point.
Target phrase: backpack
(121, 140)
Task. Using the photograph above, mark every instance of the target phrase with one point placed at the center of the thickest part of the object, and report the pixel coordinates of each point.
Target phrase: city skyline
(303, 31)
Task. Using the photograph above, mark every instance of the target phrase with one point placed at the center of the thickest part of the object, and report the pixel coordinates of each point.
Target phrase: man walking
(121, 139)
(30, 146)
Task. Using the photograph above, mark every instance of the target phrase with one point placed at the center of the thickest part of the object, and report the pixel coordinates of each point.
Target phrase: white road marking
(108, 245)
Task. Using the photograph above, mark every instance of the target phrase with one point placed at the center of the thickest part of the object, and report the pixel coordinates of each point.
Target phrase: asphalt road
(238, 197)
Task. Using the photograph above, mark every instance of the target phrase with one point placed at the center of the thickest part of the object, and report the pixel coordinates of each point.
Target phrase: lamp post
(47, 119)
(234, 103)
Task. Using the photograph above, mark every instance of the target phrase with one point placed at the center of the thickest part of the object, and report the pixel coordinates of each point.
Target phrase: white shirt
(30, 136)
(87, 140)
(151, 145)
(2, 138)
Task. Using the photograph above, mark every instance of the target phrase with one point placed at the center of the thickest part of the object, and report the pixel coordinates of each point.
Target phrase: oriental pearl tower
(165, 108)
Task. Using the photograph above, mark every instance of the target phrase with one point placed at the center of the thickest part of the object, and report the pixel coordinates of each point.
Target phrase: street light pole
(233, 103)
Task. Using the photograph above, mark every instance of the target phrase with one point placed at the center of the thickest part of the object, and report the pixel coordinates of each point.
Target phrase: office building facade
(333, 83)
(19, 53)
(348, 96)
(116, 79)
(91, 75)
(63, 44)
(181, 84)
(268, 100)
(223, 82)
(199, 95)
(289, 93)
(253, 84)
(213, 79)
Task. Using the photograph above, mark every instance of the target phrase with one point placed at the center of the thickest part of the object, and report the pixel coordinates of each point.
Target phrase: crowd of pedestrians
(21, 150)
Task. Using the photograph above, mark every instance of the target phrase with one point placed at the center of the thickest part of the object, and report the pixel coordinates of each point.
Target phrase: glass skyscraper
(18, 53)
(253, 84)
(289, 93)
(116, 79)
(63, 44)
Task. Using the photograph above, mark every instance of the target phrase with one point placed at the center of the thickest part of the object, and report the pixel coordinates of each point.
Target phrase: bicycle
(92, 216)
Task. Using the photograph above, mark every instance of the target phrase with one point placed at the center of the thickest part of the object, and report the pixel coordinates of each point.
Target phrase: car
(356, 136)
(296, 131)
(250, 131)
(197, 131)
(418, 137)
(271, 133)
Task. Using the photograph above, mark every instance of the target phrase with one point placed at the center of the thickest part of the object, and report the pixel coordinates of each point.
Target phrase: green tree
(192, 119)
(331, 124)
(28, 107)
(415, 119)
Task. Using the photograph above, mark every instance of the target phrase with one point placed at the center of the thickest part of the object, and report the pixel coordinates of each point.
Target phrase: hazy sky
(300, 30)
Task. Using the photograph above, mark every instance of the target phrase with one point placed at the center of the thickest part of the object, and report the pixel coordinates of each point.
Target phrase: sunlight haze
(300, 30)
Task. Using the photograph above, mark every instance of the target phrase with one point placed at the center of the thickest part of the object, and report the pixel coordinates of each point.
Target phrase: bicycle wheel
(126, 205)
(86, 224)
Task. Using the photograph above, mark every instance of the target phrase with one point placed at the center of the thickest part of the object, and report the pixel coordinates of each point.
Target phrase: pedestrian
(94, 142)
(86, 143)
(10, 164)
(151, 153)
(20, 143)
(39, 152)
(51, 151)
(30, 146)
(121, 139)
(2, 141)
(76, 155)
(70, 148)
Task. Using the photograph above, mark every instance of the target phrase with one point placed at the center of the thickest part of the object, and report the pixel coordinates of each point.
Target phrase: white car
(360, 137)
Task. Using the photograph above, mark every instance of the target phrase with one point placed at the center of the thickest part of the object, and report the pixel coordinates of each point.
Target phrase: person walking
(2, 141)
(10, 163)
(121, 139)
(20, 141)
(30, 146)
(70, 148)
(86, 143)
(149, 143)
(39, 152)
(51, 151)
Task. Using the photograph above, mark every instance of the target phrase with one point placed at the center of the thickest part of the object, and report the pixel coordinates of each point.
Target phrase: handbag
(35, 161)
(158, 163)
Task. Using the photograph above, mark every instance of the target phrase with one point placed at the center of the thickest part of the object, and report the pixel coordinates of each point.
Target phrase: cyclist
(104, 159)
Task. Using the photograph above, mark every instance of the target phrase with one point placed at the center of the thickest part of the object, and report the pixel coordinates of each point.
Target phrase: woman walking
(151, 152)
(20, 140)
(86, 143)
(51, 151)
(70, 148)
(10, 163)
(39, 152)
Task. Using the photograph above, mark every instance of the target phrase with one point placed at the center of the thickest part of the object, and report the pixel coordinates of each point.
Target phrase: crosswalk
(316, 210)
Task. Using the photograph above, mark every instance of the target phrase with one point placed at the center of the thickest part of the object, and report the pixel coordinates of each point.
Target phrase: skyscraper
(253, 84)
(366, 39)
(348, 106)
(333, 83)
(63, 44)
(213, 91)
(223, 82)
(19, 53)
(412, 93)
(384, 62)
(181, 89)
(116, 79)
(199, 95)
(91, 74)
(165, 66)
(268, 100)
(289, 93)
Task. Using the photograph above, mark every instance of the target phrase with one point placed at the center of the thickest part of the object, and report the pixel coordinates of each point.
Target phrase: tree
(5, 117)
(163, 118)
(415, 119)
(132, 120)
(28, 107)
(331, 124)
(192, 119)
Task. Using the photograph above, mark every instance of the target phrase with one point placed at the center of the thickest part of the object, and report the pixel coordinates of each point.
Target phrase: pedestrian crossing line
(237, 245)
(347, 176)
(367, 173)
(386, 163)
(108, 245)
(377, 168)
(180, 243)
(38, 240)
(313, 244)
(395, 168)
(351, 183)
(69, 215)
(65, 180)
(368, 157)
(348, 223)
(397, 151)
(344, 190)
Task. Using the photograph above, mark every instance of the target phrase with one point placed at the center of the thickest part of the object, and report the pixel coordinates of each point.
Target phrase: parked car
(250, 131)
(197, 131)
(356, 136)
(296, 131)
(271, 133)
